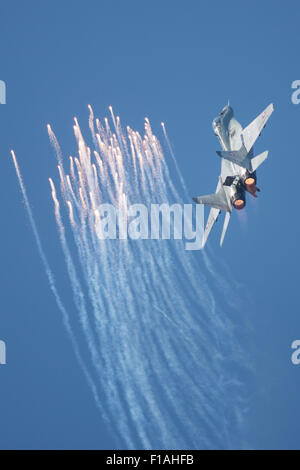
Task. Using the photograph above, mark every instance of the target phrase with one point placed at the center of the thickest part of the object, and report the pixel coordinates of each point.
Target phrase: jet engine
(250, 179)
(250, 183)
(238, 197)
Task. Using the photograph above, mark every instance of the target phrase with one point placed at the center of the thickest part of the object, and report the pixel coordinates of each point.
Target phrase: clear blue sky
(173, 61)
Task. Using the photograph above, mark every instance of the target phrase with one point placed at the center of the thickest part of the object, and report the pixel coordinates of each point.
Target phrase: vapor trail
(164, 355)
(52, 285)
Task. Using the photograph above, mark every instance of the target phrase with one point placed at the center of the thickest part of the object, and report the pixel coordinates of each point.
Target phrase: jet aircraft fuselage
(238, 165)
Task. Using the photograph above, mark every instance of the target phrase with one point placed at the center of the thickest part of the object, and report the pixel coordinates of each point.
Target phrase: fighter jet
(238, 166)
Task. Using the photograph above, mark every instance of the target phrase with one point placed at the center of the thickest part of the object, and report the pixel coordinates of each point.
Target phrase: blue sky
(178, 63)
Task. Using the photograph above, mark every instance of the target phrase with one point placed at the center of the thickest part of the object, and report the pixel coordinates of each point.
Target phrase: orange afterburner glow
(239, 204)
(249, 181)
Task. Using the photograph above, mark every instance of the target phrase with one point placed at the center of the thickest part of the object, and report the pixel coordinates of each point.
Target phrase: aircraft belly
(233, 131)
(227, 169)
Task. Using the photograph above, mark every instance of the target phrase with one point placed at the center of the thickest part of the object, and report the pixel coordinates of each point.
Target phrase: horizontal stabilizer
(245, 161)
(216, 200)
(240, 157)
(212, 200)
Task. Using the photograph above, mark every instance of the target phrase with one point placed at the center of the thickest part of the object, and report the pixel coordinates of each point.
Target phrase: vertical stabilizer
(226, 222)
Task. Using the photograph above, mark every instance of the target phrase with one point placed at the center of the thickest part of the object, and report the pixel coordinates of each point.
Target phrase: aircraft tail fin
(257, 161)
(240, 157)
(226, 222)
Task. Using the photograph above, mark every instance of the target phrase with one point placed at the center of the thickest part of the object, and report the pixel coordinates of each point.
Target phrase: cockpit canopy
(216, 122)
(226, 111)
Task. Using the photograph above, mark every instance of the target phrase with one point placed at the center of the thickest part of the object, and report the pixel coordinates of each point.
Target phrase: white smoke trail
(162, 348)
(52, 285)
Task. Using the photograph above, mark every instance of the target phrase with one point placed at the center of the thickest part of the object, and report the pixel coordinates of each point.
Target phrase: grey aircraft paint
(238, 166)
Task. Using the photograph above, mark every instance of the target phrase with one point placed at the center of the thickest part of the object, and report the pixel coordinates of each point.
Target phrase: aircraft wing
(253, 130)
